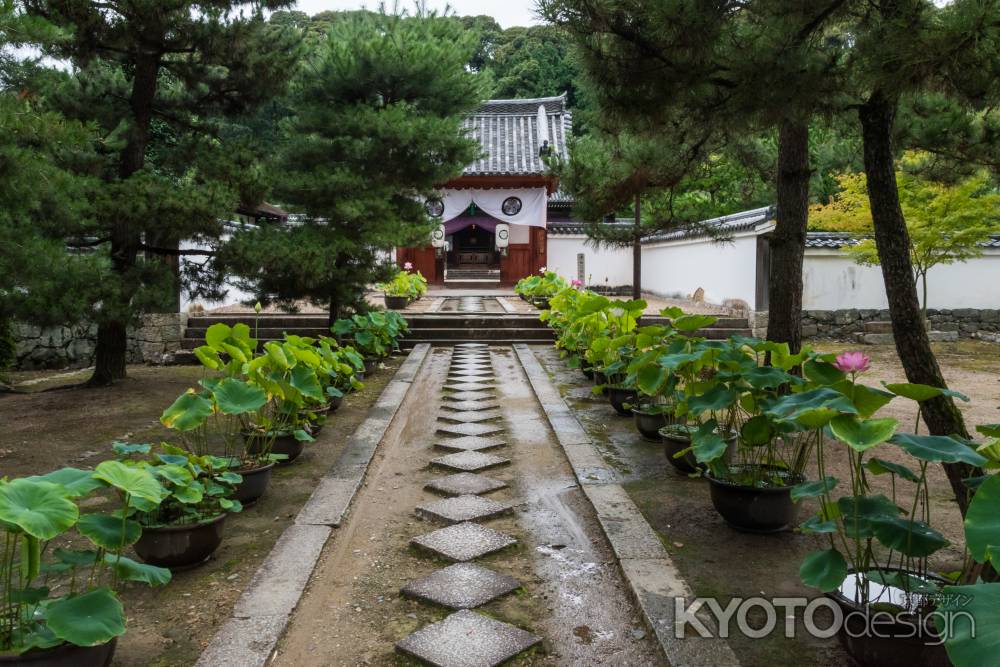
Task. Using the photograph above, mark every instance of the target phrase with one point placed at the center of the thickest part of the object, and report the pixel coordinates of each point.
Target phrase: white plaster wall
(832, 281)
(723, 270)
(233, 295)
(603, 266)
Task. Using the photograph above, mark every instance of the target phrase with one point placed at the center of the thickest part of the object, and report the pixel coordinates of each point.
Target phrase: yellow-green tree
(946, 223)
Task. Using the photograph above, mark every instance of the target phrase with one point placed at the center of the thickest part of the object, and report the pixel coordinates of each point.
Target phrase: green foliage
(193, 488)
(946, 222)
(410, 285)
(374, 334)
(375, 128)
(153, 85)
(86, 611)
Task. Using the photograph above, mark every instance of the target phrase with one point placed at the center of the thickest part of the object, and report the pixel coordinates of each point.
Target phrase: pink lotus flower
(576, 283)
(408, 266)
(853, 362)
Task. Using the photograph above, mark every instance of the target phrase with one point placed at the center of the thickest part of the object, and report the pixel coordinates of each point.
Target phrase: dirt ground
(721, 562)
(572, 593)
(169, 626)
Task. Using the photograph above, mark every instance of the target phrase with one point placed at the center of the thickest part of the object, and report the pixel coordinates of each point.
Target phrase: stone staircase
(472, 278)
(433, 328)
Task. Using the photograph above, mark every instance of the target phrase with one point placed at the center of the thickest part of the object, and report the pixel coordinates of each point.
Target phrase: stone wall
(844, 324)
(154, 341)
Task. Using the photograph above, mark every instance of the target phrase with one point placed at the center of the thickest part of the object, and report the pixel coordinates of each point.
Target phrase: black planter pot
(649, 421)
(619, 396)
(318, 418)
(601, 379)
(541, 303)
(180, 546)
(754, 509)
(676, 440)
(371, 365)
(254, 484)
(335, 402)
(396, 302)
(65, 655)
(285, 444)
(896, 640)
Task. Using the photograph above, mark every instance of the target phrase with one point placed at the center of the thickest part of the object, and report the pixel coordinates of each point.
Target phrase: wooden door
(423, 260)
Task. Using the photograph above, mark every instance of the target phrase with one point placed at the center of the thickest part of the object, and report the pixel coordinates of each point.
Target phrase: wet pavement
(541, 584)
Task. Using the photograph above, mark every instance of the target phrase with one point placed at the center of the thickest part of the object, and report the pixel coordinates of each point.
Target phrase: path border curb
(651, 574)
(259, 618)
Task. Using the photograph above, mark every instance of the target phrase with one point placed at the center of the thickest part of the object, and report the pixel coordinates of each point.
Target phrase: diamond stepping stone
(462, 406)
(470, 379)
(461, 586)
(469, 461)
(467, 639)
(471, 416)
(466, 346)
(471, 358)
(470, 443)
(469, 386)
(462, 508)
(464, 483)
(470, 429)
(463, 541)
(466, 376)
(470, 396)
(463, 375)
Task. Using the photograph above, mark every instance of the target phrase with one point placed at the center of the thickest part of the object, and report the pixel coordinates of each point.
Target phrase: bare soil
(721, 562)
(572, 594)
(168, 626)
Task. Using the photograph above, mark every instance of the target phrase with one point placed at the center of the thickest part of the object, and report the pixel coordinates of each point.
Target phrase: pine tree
(611, 173)
(155, 77)
(901, 51)
(376, 126)
(734, 69)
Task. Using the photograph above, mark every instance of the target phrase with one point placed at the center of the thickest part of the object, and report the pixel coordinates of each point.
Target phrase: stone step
(887, 338)
(473, 283)
(480, 333)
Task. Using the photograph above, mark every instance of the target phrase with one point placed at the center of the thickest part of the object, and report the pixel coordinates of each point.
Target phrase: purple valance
(482, 221)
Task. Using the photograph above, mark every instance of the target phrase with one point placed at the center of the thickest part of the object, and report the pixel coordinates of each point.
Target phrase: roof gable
(510, 135)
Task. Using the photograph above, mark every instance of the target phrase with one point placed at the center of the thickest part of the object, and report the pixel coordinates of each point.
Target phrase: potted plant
(612, 350)
(751, 484)
(876, 568)
(79, 626)
(398, 292)
(186, 526)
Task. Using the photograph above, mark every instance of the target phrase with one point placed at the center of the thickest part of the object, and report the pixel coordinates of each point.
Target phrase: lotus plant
(36, 514)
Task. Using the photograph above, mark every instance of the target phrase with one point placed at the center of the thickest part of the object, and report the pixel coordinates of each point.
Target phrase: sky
(506, 12)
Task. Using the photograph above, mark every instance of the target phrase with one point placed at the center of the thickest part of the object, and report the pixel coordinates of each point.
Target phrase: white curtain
(490, 202)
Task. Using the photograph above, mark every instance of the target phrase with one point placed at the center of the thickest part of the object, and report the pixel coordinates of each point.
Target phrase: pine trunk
(637, 252)
(893, 242)
(112, 336)
(788, 241)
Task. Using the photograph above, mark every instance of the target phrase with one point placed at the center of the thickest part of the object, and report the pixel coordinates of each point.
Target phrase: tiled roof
(729, 224)
(508, 131)
(837, 240)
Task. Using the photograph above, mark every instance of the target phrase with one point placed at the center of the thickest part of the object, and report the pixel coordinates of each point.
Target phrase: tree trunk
(788, 241)
(112, 336)
(334, 312)
(637, 252)
(893, 243)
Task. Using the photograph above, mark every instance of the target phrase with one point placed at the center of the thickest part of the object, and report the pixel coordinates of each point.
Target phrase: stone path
(464, 548)
(464, 638)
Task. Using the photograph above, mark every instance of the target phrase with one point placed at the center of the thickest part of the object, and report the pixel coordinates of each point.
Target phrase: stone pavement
(465, 638)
